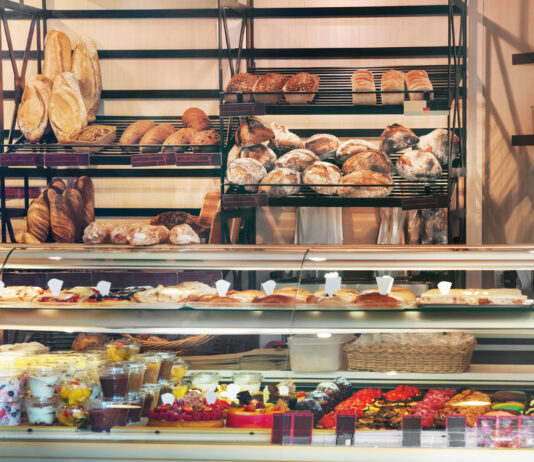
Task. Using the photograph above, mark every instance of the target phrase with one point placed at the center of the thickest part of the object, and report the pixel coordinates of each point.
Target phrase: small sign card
(411, 431)
(345, 428)
(444, 287)
(242, 109)
(486, 431)
(385, 283)
(153, 160)
(281, 431)
(222, 287)
(456, 425)
(332, 282)
(55, 286)
(526, 431)
(103, 287)
(268, 286)
(66, 160)
(23, 160)
(212, 159)
(302, 428)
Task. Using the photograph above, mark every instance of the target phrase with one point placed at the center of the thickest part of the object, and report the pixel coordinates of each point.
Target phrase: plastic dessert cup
(42, 381)
(113, 380)
(72, 415)
(151, 391)
(122, 350)
(11, 385)
(136, 372)
(179, 369)
(179, 390)
(135, 403)
(167, 359)
(40, 411)
(103, 416)
(206, 381)
(74, 392)
(153, 365)
(10, 413)
(249, 381)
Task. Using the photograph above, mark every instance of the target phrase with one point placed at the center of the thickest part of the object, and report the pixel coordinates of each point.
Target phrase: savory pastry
(33, 108)
(67, 110)
(322, 173)
(323, 145)
(39, 219)
(418, 166)
(218, 300)
(393, 81)
(74, 201)
(196, 118)
(284, 140)
(261, 153)
(454, 296)
(207, 138)
(352, 147)
(245, 172)
(84, 184)
(268, 88)
(86, 68)
(373, 160)
(245, 296)
(97, 233)
(147, 235)
(240, 83)
(287, 183)
(183, 234)
(156, 135)
(296, 292)
(183, 136)
(134, 133)
(500, 297)
(253, 131)
(396, 296)
(276, 299)
(301, 82)
(341, 296)
(61, 219)
(396, 137)
(298, 159)
(437, 142)
(363, 82)
(365, 183)
(200, 287)
(57, 54)
(119, 233)
(418, 80)
(469, 403)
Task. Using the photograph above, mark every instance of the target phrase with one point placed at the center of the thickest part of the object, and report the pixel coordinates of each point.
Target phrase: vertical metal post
(1, 89)
(3, 206)
(38, 45)
(251, 63)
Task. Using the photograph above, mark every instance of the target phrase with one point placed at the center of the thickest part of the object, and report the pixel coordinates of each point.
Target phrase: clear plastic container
(113, 380)
(10, 412)
(11, 384)
(151, 391)
(167, 359)
(72, 415)
(205, 381)
(40, 411)
(179, 389)
(153, 365)
(43, 381)
(310, 353)
(136, 373)
(249, 381)
(179, 369)
(122, 350)
(135, 403)
(103, 415)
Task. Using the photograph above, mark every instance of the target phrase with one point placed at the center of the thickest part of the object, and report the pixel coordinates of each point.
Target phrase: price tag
(152, 160)
(411, 431)
(103, 287)
(281, 431)
(66, 160)
(507, 431)
(268, 286)
(456, 425)
(167, 398)
(232, 390)
(283, 390)
(345, 428)
(198, 160)
(13, 160)
(222, 287)
(445, 287)
(385, 283)
(302, 428)
(486, 431)
(55, 286)
(211, 397)
(526, 431)
(332, 282)
(242, 109)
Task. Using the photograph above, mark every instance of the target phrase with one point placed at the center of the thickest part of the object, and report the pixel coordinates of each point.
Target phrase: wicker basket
(408, 358)
(180, 346)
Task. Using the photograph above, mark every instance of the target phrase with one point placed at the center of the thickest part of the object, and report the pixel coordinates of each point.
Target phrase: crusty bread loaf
(86, 68)
(61, 222)
(418, 166)
(156, 135)
(270, 82)
(280, 177)
(352, 147)
(262, 154)
(323, 145)
(196, 118)
(397, 137)
(39, 219)
(134, 133)
(437, 142)
(183, 234)
(418, 80)
(147, 235)
(85, 185)
(373, 160)
(206, 139)
(253, 131)
(301, 82)
(322, 173)
(34, 106)
(97, 233)
(57, 54)
(74, 200)
(67, 110)
(358, 184)
(393, 80)
(119, 233)
(363, 81)
(241, 83)
(297, 159)
(245, 172)
(284, 140)
(182, 136)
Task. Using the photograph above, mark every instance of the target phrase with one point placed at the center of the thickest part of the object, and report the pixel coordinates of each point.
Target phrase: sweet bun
(373, 160)
(322, 173)
(397, 296)
(323, 145)
(275, 299)
(262, 154)
(296, 292)
(297, 159)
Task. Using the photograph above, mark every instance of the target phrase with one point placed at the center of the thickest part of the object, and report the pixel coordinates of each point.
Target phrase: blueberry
(8, 408)
(11, 393)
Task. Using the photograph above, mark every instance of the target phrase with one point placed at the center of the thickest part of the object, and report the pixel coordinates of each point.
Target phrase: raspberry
(174, 417)
(188, 417)
(181, 416)
(196, 416)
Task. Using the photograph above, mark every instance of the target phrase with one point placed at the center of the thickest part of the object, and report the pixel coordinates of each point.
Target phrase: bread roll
(284, 140)
(182, 136)
(322, 173)
(67, 110)
(245, 172)
(34, 106)
(207, 138)
(301, 82)
(364, 178)
(39, 219)
(57, 54)
(196, 118)
(253, 131)
(134, 133)
(437, 142)
(156, 135)
(74, 201)
(118, 234)
(396, 138)
(84, 184)
(393, 81)
(270, 82)
(352, 147)
(86, 68)
(323, 145)
(418, 166)
(147, 235)
(97, 233)
(363, 81)
(373, 160)
(241, 83)
(281, 176)
(61, 220)
(418, 80)
(58, 185)
(261, 153)
(298, 159)
(182, 235)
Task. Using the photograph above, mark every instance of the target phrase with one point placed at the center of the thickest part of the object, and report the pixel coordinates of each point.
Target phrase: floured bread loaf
(57, 58)
(373, 160)
(245, 172)
(286, 181)
(365, 183)
(397, 137)
(68, 115)
(298, 159)
(322, 173)
(352, 147)
(86, 68)
(262, 154)
(418, 165)
(183, 234)
(34, 106)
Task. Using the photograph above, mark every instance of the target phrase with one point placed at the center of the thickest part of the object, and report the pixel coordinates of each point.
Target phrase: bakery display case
(371, 333)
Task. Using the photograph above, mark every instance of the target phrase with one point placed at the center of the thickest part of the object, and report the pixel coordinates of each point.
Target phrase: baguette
(86, 68)
(134, 133)
(393, 81)
(61, 223)
(57, 58)
(156, 135)
(363, 81)
(39, 219)
(34, 106)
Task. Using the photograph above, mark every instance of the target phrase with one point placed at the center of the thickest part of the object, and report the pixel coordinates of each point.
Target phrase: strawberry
(249, 408)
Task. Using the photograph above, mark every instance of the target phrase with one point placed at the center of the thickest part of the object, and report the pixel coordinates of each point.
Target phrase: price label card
(526, 431)
(14, 160)
(486, 431)
(167, 398)
(345, 428)
(2, 285)
(222, 287)
(507, 431)
(281, 431)
(212, 159)
(242, 109)
(66, 160)
(456, 425)
(411, 431)
(302, 428)
(332, 282)
(153, 160)
(55, 286)
(268, 286)
(103, 287)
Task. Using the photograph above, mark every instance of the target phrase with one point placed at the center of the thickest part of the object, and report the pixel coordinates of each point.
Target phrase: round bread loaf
(281, 176)
(298, 159)
(418, 166)
(322, 173)
(245, 172)
(323, 145)
(366, 183)
(374, 160)
(262, 154)
(437, 142)
(396, 138)
(253, 131)
(352, 147)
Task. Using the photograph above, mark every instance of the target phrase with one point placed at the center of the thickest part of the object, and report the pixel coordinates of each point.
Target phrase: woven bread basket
(408, 358)
(180, 346)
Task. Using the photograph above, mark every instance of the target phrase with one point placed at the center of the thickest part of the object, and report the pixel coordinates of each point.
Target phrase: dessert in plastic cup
(179, 369)
(151, 391)
(40, 411)
(72, 415)
(10, 412)
(75, 392)
(179, 389)
(153, 365)
(136, 372)
(122, 349)
(167, 359)
(103, 415)
(11, 384)
(135, 403)
(206, 381)
(249, 381)
(42, 381)
(113, 380)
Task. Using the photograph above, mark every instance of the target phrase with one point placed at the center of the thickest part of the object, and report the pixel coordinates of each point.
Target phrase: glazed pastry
(86, 68)
(301, 82)
(352, 147)
(253, 131)
(323, 145)
(156, 135)
(262, 154)
(245, 172)
(183, 136)
(281, 176)
(363, 81)
(367, 183)
(33, 109)
(298, 159)
(134, 133)
(196, 119)
(322, 173)
(183, 234)
(393, 81)
(57, 54)
(396, 138)
(418, 80)
(418, 166)
(270, 82)
(373, 160)
(437, 142)
(241, 83)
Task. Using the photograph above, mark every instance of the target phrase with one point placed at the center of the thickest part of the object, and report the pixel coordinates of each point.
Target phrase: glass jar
(40, 411)
(122, 349)
(167, 359)
(249, 381)
(205, 381)
(153, 365)
(179, 369)
(43, 381)
(113, 380)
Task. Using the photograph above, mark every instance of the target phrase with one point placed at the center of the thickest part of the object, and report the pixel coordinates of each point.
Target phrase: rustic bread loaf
(74, 201)
(281, 176)
(34, 106)
(396, 138)
(182, 136)
(61, 222)
(86, 68)
(373, 160)
(322, 173)
(134, 133)
(270, 82)
(156, 135)
(262, 154)
(57, 54)
(245, 172)
(85, 185)
(196, 118)
(253, 131)
(323, 145)
(418, 166)
(298, 159)
(39, 219)
(352, 147)
(241, 83)
(354, 184)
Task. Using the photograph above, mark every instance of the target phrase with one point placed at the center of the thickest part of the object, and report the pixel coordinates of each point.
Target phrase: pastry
(134, 133)
(261, 153)
(97, 233)
(280, 176)
(500, 297)
(208, 138)
(84, 341)
(58, 185)
(469, 403)
(61, 220)
(74, 201)
(362, 82)
(352, 147)
(57, 54)
(183, 136)
(245, 172)
(183, 234)
(245, 296)
(119, 233)
(33, 108)
(323, 145)
(147, 235)
(196, 118)
(215, 299)
(437, 142)
(253, 131)
(298, 159)
(301, 82)
(418, 81)
(373, 160)
(454, 296)
(396, 296)
(284, 140)
(275, 299)
(156, 135)
(67, 113)
(418, 166)
(84, 184)
(39, 219)
(393, 81)
(296, 292)
(240, 83)
(396, 137)
(268, 88)
(86, 68)
(365, 183)
(322, 173)
(343, 294)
